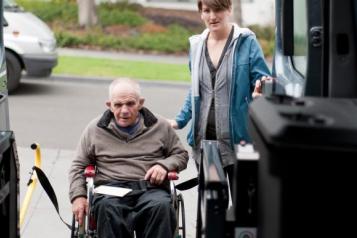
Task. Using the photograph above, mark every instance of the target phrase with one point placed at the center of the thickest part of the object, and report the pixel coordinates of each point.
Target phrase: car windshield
(11, 5)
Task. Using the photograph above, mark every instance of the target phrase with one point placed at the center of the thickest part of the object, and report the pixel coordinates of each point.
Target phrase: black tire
(74, 230)
(13, 71)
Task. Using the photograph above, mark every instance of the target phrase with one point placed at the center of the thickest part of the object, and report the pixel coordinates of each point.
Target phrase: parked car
(29, 43)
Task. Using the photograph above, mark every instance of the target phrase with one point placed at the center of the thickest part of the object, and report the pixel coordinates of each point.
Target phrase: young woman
(227, 66)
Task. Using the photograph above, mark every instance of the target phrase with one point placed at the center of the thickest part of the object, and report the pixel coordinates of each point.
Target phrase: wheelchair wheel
(74, 230)
(91, 224)
(88, 229)
(181, 217)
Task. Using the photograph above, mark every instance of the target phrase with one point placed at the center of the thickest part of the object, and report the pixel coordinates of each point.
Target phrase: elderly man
(132, 148)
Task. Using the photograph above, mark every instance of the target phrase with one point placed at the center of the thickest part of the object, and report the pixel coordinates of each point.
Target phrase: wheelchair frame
(88, 228)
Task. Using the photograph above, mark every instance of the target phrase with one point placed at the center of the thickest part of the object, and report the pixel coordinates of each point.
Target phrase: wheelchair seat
(88, 228)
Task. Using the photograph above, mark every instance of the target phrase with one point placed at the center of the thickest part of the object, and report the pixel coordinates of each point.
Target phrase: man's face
(125, 105)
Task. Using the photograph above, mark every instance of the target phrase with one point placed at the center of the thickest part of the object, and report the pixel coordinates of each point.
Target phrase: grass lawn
(93, 67)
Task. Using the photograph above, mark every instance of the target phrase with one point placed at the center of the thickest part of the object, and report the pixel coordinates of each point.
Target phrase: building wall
(260, 12)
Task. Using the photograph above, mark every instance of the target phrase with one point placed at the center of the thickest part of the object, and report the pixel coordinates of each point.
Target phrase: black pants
(147, 211)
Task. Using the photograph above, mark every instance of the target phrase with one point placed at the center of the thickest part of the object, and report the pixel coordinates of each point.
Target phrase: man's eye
(130, 104)
(118, 105)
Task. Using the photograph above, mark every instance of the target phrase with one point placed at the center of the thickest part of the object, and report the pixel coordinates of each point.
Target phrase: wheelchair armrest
(90, 171)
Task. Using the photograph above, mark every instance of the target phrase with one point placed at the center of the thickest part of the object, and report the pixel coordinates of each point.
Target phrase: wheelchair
(88, 228)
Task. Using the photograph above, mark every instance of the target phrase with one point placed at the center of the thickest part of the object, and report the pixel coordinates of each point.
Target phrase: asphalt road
(53, 112)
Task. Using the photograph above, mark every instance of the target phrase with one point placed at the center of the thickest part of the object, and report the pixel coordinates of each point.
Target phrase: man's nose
(124, 109)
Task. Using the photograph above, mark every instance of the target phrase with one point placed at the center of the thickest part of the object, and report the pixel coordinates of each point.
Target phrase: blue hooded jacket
(248, 66)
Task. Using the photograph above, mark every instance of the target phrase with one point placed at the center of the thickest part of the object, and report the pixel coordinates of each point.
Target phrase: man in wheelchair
(131, 148)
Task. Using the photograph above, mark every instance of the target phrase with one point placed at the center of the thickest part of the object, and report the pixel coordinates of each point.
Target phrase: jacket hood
(237, 32)
(196, 44)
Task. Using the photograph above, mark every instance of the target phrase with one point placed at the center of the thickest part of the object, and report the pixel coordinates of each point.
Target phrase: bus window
(300, 37)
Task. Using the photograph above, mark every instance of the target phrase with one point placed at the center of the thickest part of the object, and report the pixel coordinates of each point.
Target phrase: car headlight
(48, 45)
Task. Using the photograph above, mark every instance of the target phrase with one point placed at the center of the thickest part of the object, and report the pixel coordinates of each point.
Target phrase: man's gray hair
(125, 81)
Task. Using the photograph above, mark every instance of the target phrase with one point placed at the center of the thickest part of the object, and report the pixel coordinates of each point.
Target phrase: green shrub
(49, 11)
(121, 5)
(111, 42)
(123, 17)
(65, 39)
(266, 37)
(265, 32)
(173, 41)
(115, 20)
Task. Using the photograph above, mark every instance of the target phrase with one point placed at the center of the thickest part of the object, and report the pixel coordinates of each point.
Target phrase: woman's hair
(215, 5)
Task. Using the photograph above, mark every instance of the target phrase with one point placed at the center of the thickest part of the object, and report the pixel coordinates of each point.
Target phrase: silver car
(29, 43)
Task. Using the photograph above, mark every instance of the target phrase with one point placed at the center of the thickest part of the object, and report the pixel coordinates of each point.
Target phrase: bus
(9, 163)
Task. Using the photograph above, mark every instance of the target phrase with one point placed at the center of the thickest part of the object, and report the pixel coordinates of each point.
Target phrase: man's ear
(141, 103)
(108, 103)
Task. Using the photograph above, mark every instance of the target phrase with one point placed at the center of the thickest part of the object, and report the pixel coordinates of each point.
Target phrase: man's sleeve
(76, 179)
(177, 156)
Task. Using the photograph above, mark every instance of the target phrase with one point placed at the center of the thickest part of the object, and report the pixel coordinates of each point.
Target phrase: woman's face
(215, 20)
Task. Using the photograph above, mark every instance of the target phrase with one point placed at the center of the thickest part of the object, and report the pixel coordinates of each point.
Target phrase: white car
(29, 44)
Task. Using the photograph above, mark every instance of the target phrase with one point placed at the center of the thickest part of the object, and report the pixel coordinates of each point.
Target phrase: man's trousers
(148, 211)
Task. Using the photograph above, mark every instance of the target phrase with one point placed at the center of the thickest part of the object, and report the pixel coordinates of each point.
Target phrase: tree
(87, 14)
(237, 12)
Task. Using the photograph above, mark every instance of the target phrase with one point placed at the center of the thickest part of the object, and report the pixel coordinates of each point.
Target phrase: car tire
(14, 69)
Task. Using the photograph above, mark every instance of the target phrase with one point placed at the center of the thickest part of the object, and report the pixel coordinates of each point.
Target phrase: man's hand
(156, 174)
(79, 208)
(259, 86)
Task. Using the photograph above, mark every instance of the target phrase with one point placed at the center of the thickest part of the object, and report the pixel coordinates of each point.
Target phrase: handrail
(31, 183)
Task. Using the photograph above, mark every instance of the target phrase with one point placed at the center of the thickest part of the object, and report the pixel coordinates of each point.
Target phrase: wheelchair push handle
(90, 171)
(172, 175)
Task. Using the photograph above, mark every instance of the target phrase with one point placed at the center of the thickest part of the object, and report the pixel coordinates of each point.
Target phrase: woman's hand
(258, 89)
(173, 123)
